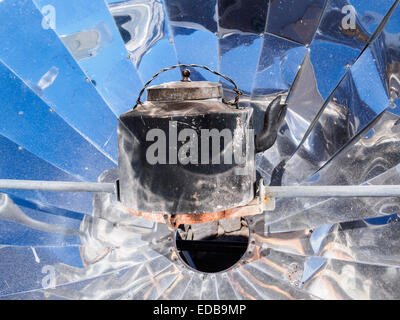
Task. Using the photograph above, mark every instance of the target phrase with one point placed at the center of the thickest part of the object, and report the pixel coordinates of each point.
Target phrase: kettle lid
(184, 90)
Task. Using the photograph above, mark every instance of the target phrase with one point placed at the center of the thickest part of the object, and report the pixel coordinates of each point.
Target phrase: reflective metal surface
(279, 62)
(241, 25)
(373, 153)
(67, 70)
(32, 125)
(351, 107)
(294, 20)
(319, 212)
(194, 27)
(357, 241)
(333, 50)
(144, 28)
(18, 163)
(92, 38)
(53, 74)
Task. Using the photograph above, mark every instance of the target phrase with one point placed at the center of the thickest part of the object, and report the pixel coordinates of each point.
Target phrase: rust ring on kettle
(175, 220)
(238, 92)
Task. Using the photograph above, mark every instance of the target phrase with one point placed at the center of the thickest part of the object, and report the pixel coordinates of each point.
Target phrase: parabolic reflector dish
(69, 69)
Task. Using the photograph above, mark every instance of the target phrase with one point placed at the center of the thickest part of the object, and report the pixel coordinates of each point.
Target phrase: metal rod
(62, 186)
(332, 191)
(271, 192)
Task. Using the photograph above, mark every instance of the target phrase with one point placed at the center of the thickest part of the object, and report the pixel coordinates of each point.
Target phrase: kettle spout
(273, 119)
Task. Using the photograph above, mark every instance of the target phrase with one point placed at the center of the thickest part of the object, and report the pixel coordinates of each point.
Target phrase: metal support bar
(332, 191)
(265, 191)
(61, 186)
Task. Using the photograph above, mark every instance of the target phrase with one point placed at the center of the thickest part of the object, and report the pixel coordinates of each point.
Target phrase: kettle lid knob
(186, 75)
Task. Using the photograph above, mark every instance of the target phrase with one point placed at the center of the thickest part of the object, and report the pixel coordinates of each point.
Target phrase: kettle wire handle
(238, 92)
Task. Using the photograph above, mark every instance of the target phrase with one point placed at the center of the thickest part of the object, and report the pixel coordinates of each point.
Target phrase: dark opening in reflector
(213, 246)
